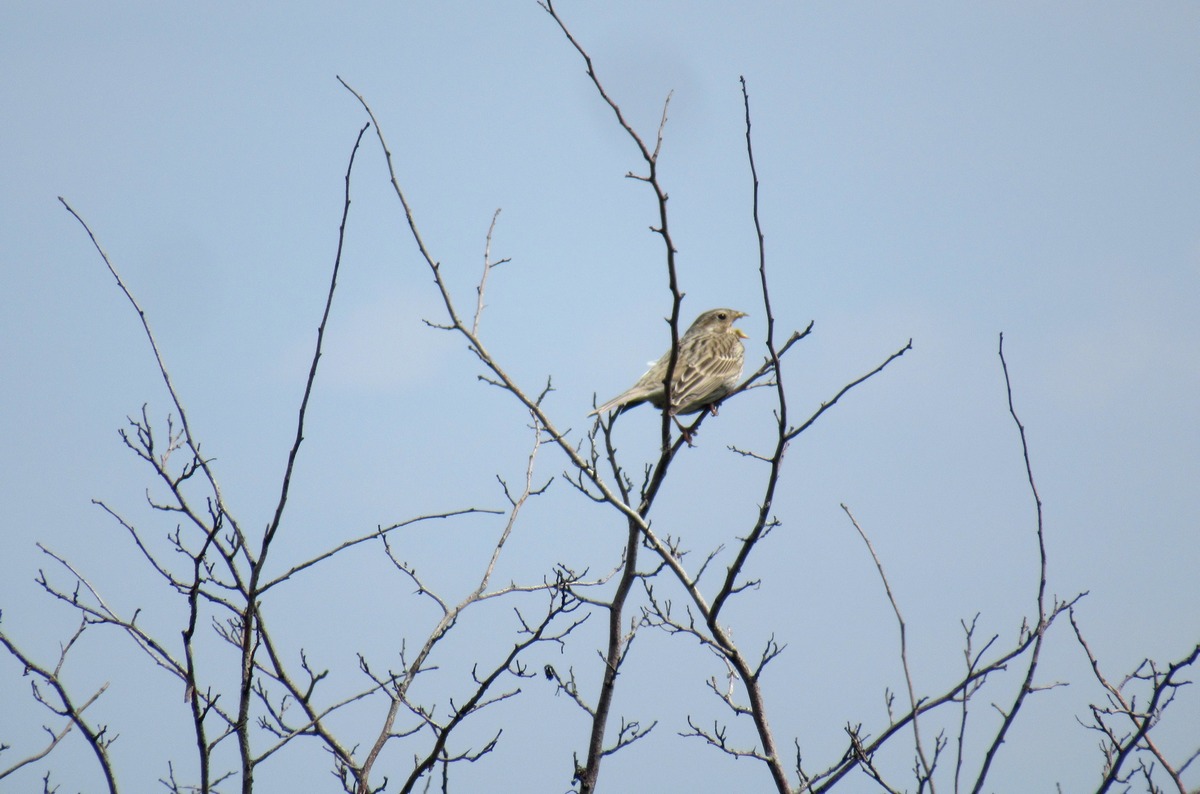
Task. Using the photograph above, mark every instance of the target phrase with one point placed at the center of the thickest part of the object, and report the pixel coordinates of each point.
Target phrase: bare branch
(192, 443)
(825, 406)
(97, 739)
(1040, 629)
(926, 770)
(1120, 748)
(379, 532)
(487, 268)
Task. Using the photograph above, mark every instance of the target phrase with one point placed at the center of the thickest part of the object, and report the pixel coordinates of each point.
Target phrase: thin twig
(912, 696)
(95, 738)
(192, 442)
(250, 635)
(1039, 630)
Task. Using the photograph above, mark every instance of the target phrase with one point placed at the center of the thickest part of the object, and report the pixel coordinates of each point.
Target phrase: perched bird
(707, 368)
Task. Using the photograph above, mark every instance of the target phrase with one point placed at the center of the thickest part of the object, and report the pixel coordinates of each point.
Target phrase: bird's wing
(709, 366)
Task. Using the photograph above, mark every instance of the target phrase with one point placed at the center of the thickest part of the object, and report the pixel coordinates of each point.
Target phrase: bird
(707, 368)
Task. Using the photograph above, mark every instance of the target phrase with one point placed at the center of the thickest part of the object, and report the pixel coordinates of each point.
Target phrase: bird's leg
(683, 431)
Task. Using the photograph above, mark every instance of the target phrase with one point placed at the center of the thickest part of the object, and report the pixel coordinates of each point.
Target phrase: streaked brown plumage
(707, 368)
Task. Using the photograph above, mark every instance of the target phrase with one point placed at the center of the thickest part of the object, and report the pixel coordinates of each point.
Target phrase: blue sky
(938, 171)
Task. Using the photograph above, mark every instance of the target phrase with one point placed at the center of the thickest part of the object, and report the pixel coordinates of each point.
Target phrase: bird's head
(718, 321)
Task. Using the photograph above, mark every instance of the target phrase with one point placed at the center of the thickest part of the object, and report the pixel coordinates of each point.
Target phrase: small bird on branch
(707, 368)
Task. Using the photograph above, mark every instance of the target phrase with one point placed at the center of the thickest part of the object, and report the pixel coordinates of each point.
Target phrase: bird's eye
(721, 315)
